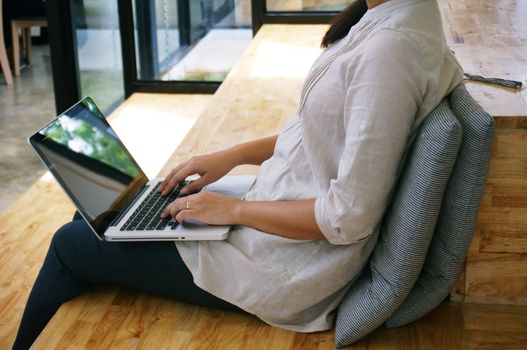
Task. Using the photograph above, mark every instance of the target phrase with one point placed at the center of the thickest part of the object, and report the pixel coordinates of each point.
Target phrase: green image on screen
(91, 140)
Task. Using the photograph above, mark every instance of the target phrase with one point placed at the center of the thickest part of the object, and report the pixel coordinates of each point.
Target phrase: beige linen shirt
(361, 106)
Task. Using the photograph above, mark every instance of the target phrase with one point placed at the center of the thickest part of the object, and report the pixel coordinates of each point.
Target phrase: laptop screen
(91, 164)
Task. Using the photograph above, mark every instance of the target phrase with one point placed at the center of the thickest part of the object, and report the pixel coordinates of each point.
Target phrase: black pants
(77, 260)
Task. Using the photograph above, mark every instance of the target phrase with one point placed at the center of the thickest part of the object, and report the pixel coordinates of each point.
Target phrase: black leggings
(77, 260)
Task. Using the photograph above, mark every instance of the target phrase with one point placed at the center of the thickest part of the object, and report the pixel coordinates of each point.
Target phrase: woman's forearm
(254, 152)
(291, 219)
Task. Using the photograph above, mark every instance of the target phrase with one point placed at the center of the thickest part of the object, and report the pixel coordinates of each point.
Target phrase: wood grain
(166, 324)
(495, 269)
(489, 39)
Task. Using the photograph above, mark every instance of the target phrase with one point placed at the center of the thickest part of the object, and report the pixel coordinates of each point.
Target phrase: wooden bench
(259, 94)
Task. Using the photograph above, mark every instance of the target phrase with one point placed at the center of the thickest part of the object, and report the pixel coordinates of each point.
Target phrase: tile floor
(24, 107)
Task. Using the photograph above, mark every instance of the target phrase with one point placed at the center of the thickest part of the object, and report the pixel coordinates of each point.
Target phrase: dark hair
(342, 23)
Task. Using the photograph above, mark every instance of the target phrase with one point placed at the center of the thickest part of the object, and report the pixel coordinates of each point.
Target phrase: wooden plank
(494, 271)
(495, 317)
(511, 144)
(496, 278)
(25, 238)
(491, 340)
(518, 122)
(493, 274)
(511, 220)
(457, 294)
(259, 336)
(502, 219)
(77, 322)
(495, 327)
(511, 193)
(141, 315)
(508, 238)
(232, 330)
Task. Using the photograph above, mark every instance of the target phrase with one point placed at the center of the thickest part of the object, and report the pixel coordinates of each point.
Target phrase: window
(190, 40)
(306, 5)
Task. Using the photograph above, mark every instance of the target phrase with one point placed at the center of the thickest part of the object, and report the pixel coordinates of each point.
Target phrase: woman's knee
(69, 241)
(63, 237)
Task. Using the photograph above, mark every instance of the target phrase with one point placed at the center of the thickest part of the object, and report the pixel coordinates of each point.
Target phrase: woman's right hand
(209, 167)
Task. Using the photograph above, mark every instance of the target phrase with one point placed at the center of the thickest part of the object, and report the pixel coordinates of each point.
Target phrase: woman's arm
(255, 152)
(291, 219)
(211, 167)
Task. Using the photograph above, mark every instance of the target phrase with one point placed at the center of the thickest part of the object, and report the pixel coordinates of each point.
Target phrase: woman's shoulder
(387, 47)
(413, 29)
(419, 23)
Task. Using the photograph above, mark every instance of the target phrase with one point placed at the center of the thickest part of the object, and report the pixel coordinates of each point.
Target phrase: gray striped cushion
(457, 219)
(406, 231)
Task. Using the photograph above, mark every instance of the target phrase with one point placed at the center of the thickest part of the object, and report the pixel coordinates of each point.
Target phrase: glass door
(86, 52)
(97, 42)
(190, 40)
(109, 49)
(306, 5)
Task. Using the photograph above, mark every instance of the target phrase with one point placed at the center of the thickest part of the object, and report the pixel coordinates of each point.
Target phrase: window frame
(63, 50)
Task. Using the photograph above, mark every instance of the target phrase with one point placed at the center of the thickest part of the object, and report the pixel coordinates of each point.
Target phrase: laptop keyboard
(148, 215)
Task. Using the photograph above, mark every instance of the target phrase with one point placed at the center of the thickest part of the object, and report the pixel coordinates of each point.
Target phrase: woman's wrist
(236, 155)
(237, 209)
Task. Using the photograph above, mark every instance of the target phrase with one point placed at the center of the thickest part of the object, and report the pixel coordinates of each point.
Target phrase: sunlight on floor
(267, 64)
(47, 177)
(152, 131)
(212, 57)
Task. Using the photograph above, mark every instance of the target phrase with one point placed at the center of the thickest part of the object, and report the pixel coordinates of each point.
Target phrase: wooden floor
(260, 93)
(122, 319)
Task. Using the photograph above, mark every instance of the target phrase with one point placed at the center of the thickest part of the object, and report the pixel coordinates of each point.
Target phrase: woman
(306, 229)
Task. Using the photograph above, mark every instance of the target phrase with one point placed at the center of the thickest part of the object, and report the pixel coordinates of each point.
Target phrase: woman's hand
(209, 167)
(213, 166)
(207, 207)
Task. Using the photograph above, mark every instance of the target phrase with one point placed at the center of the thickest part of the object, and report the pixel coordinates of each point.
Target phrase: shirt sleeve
(385, 85)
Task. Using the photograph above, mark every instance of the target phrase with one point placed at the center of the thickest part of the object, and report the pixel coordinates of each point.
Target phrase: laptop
(109, 189)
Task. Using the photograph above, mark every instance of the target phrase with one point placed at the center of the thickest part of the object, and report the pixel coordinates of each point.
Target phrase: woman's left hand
(207, 207)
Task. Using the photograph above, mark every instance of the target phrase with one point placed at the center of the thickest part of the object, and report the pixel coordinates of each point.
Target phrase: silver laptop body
(109, 189)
